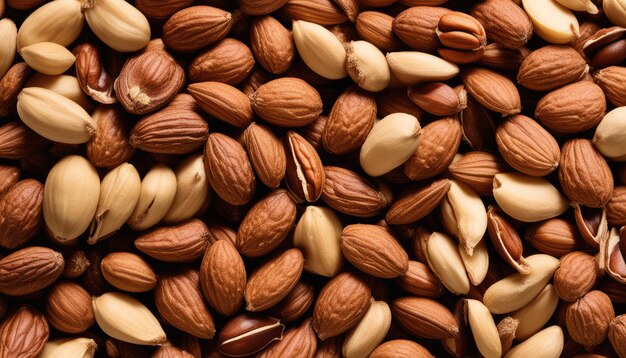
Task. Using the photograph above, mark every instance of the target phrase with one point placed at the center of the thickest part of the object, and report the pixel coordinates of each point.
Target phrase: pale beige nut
(411, 68)
(64, 347)
(48, 58)
(59, 21)
(534, 316)
(552, 21)
(615, 10)
(367, 66)
(361, 340)
(8, 38)
(611, 133)
(158, 189)
(547, 343)
(476, 264)
(320, 49)
(192, 190)
(444, 259)
(65, 85)
(118, 24)
(483, 329)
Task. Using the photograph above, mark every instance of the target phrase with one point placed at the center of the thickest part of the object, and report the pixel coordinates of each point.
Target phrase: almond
(247, 334)
(367, 66)
(185, 242)
(588, 318)
(617, 332)
(319, 49)
(352, 194)
(419, 280)
(504, 21)
(323, 12)
(539, 72)
(506, 241)
(552, 21)
(436, 98)
(229, 61)
(109, 146)
(555, 237)
(342, 302)
(8, 34)
(118, 24)
(548, 342)
(400, 348)
(263, 7)
(492, 90)
(23, 333)
(196, 27)
(299, 341)
(444, 259)
(266, 153)
(373, 250)
(573, 108)
(584, 174)
(477, 169)
(610, 79)
(350, 121)
(65, 85)
(228, 169)
(483, 328)
(305, 175)
(68, 308)
(366, 336)
(462, 36)
(377, 28)
(223, 277)
(411, 68)
(424, 318)
(29, 270)
(59, 22)
(438, 143)
(161, 9)
(180, 302)
(296, 303)
(223, 102)
(21, 215)
(287, 102)
(416, 27)
(616, 207)
(499, 57)
(609, 134)
(416, 203)
(273, 280)
(10, 86)
(527, 147)
(534, 316)
(128, 272)
(192, 190)
(95, 76)
(9, 175)
(477, 123)
(18, 141)
(158, 189)
(47, 57)
(272, 44)
(576, 275)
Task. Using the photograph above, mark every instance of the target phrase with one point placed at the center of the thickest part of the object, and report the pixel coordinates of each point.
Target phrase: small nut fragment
(506, 241)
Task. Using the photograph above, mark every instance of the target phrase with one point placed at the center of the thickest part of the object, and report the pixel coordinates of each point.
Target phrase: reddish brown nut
(248, 334)
(462, 36)
(69, 308)
(607, 47)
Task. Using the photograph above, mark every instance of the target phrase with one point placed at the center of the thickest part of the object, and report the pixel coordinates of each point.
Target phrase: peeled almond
(477, 264)
(464, 215)
(158, 189)
(363, 338)
(610, 135)
(615, 10)
(537, 313)
(59, 21)
(446, 263)
(412, 67)
(48, 58)
(62, 348)
(367, 66)
(483, 329)
(118, 24)
(547, 343)
(192, 190)
(320, 49)
(8, 40)
(552, 21)
(65, 85)
(580, 5)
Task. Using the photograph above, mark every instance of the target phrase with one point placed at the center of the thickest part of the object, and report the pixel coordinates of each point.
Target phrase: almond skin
(161, 9)
(373, 250)
(296, 303)
(262, 7)
(576, 275)
(29, 270)
(611, 80)
(377, 28)
(297, 342)
(228, 169)
(223, 277)
(10, 86)
(419, 280)
(9, 175)
(351, 193)
(616, 207)
(68, 308)
(305, 174)
(223, 102)
(266, 153)
(588, 318)
(584, 174)
(287, 102)
(128, 272)
(527, 147)
(477, 169)
(416, 27)
(437, 146)
(340, 305)
(323, 12)
(400, 348)
(185, 242)
(24, 333)
(350, 121)
(416, 203)
(424, 318)
(505, 22)
(109, 146)
(492, 90)
(180, 302)
(436, 98)
(196, 27)
(273, 280)
(551, 67)
(272, 44)
(17, 141)
(21, 214)
(228, 61)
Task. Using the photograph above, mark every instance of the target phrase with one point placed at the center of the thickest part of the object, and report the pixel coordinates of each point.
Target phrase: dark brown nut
(477, 125)
(21, 213)
(591, 223)
(297, 302)
(195, 27)
(556, 237)
(161, 9)
(462, 36)
(248, 334)
(93, 77)
(502, 58)
(11, 85)
(17, 141)
(223, 277)
(184, 242)
(272, 44)
(351, 193)
(228, 61)
(305, 175)
(396, 100)
(23, 333)
(69, 308)
(108, 147)
(607, 47)
(506, 241)
(9, 175)
(76, 263)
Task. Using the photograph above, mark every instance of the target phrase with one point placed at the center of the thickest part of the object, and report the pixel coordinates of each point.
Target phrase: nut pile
(312, 178)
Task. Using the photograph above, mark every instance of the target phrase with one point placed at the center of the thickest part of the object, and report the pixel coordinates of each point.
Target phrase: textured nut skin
(617, 334)
(417, 202)
(10, 86)
(287, 102)
(266, 153)
(262, 7)
(584, 174)
(9, 175)
(424, 318)
(556, 237)
(223, 277)
(377, 28)
(229, 61)
(351, 193)
(68, 308)
(223, 102)
(437, 98)
(589, 317)
(161, 9)
(504, 21)
(419, 280)
(296, 303)
(23, 333)
(551, 67)
(305, 176)
(462, 36)
(272, 44)
(185, 242)
(616, 207)
(340, 305)
(297, 342)
(416, 27)
(400, 348)
(576, 275)
(109, 146)
(21, 214)
(93, 73)
(477, 169)
(610, 79)
(493, 90)
(28, 270)
(129, 272)
(267, 224)
(196, 27)
(323, 12)
(17, 141)
(248, 334)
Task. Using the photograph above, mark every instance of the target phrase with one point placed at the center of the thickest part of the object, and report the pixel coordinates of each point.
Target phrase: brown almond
(340, 305)
(477, 169)
(299, 341)
(504, 21)
(260, 7)
(588, 318)
(323, 12)
(499, 57)
(611, 80)
(161, 9)
(9, 175)
(172, 130)
(17, 141)
(419, 280)
(556, 237)
(351, 193)
(377, 28)
(170, 352)
(314, 131)
(296, 303)
(223, 102)
(576, 275)
(23, 333)
(180, 302)
(436, 98)
(416, 27)
(228, 169)
(616, 207)
(69, 308)
(128, 272)
(527, 147)
(305, 175)
(10, 86)
(223, 277)
(349, 122)
(477, 124)
(424, 318)
(21, 213)
(400, 348)
(551, 67)
(506, 241)
(462, 36)
(272, 44)
(109, 146)
(437, 146)
(415, 203)
(584, 174)
(273, 280)
(617, 334)
(95, 72)
(287, 102)
(266, 154)
(573, 108)
(373, 250)
(228, 61)
(29, 270)
(148, 82)
(267, 224)
(492, 90)
(248, 334)
(196, 27)
(185, 242)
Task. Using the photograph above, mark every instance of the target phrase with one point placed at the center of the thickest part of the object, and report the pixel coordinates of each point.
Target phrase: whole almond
(9, 175)
(266, 153)
(342, 302)
(248, 334)
(60, 22)
(296, 303)
(617, 332)
(320, 49)
(196, 27)
(616, 207)
(223, 277)
(367, 66)
(305, 174)
(273, 280)
(264, 7)
(540, 154)
(576, 275)
(272, 44)
(584, 174)
(555, 237)
(287, 102)
(438, 143)
(29, 270)
(552, 21)
(23, 333)
(610, 80)
(19, 141)
(161, 9)
(108, 147)
(411, 68)
(419, 280)
(499, 57)
(21, 215)
(608, 135)
(229, 61)
(362, 243)
(192, 190)
(228, 169)
(299, 341)
(185, 242)
(400, 348)
(377, 28)
(491, 89)
(504, 21)
(416, 27)
(477, 169)
(588, 318)
(483, 328)
(462, 36)
(539, 71)
(323, 12)
(436, 98)
(349, 122)
(179, 300)
(424, 318)
(47, 57)
(416, 203)
(223, 102)
(352, 194)
(128, 272)
(68, 308)
(8, 34)
(158, 189)
(132, 30)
